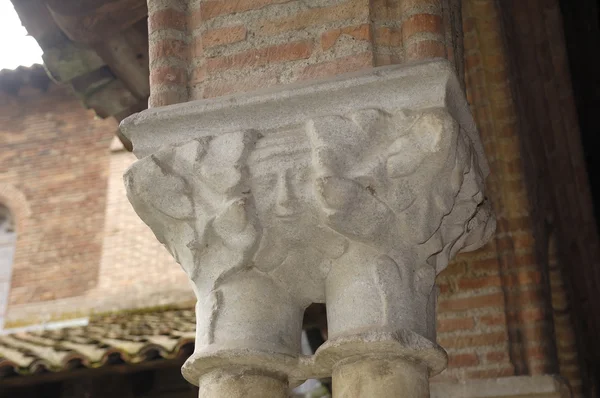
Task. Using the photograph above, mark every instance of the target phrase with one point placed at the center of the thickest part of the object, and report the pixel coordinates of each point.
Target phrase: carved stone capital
(355, 192)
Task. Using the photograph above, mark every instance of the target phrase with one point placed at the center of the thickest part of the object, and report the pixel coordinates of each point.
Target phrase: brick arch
(13, 202)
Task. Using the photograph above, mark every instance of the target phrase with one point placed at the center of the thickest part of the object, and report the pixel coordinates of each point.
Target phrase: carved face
(282, 188)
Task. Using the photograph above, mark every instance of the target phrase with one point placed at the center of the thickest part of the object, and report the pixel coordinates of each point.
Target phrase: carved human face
(282, 186)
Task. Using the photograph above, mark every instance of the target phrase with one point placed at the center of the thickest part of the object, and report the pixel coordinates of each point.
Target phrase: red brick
(495, 300)
(473, 340)
(228, 86)
(452, 324)
(413, 6)
(341, 65)
(425, 49)
(462, 360)
(391, 37)
(422, 23)
(361, 32)
(353, 9)
(168, 75)
(491, 373)
(167, 19)
(479, 283)
(493, 320)
(168, 48)
(497, 356)
(214, 8)
(261, 56)
(222, 36)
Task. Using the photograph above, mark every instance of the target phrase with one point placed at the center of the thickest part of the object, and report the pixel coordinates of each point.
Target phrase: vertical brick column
(204, 49)
(423, 31)
(566, 344)
(498, 299)
(169, 51)
(412, 30)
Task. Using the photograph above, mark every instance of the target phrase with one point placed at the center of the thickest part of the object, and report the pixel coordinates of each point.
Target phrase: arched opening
(7, 251)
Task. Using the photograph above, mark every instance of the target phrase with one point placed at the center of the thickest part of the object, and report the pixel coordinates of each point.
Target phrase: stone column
(354, 192)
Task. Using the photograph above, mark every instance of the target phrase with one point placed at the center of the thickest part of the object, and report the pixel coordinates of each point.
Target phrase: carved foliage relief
(290, 203)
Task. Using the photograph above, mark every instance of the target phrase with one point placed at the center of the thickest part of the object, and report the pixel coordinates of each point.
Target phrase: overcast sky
(16, 48)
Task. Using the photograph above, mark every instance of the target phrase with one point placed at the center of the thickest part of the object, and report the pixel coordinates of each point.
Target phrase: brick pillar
(169, 51)
(566, 344)
(423, 31)
(498, 298)
(218, 47)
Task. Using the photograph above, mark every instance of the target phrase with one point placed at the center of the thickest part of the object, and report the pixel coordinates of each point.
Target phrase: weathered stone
(354, 191)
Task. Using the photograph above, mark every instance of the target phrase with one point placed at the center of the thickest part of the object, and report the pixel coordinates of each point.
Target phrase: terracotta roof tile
(130, 338)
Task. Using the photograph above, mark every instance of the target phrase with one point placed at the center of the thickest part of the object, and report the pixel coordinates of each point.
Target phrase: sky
(16, 48)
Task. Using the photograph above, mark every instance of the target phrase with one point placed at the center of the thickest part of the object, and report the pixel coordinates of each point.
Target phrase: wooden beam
(88, 21)
(126, 53)
(68, 61)
(110, 99)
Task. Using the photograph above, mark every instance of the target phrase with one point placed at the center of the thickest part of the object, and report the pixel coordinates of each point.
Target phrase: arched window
(7, 251)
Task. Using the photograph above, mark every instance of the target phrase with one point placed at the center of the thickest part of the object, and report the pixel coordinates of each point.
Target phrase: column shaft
(242, 384)
(380, 377)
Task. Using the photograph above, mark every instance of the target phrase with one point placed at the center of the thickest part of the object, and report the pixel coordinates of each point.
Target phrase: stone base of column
(242, 384)
(380, 377)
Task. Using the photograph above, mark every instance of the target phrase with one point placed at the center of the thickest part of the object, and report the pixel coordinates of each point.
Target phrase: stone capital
(354, 192)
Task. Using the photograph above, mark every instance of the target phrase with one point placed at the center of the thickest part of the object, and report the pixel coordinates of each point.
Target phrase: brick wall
(134, 272)
(53, 162)
(217, 47)
(557, 180)
(495, 318)
(505, 310)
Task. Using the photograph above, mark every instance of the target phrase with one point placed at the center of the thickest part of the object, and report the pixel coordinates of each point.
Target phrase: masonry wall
(235, 46)
(135, 271)
(53, 175)
(505, 310)
(80, 247)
